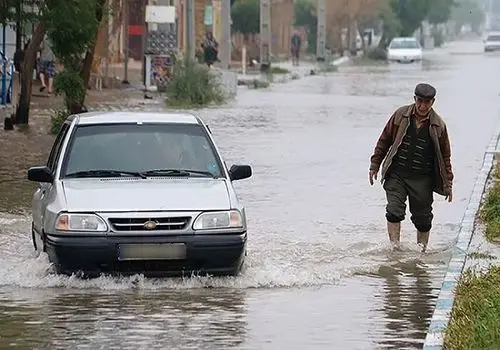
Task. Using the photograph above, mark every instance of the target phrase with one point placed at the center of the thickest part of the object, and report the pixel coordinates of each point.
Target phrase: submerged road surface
(319, 274)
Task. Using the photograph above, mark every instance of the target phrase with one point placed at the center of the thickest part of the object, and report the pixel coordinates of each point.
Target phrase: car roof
(493, 33)
(135, 117)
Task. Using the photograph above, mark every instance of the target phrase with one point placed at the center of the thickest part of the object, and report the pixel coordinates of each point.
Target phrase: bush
(376, 53)
(57, 120)
(69, 84)
(193, 85)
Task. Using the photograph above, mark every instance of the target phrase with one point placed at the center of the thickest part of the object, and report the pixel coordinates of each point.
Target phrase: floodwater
(319, 274)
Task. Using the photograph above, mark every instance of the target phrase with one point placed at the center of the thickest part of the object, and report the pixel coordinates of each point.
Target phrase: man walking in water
(295, 43)
(415, 154)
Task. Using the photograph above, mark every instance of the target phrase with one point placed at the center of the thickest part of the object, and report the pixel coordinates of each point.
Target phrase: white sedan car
(404, 50)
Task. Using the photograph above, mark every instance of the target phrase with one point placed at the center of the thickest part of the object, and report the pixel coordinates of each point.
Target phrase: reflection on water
(409, 300)
(198, 319)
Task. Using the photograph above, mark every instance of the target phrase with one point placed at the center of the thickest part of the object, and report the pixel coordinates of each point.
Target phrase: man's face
(423, 105)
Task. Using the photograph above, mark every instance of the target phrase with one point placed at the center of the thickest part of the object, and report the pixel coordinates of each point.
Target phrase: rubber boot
(394, 231)
(423, 240)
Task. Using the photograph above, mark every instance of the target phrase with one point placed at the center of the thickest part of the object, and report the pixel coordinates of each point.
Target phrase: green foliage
(246, 16)
(70, 84)
(391, 25)
(440, 11)
(72, 28)
(305, 16)
(7, 10)
(57, 120)
(475, 317)
(410, 13)
(193, 85)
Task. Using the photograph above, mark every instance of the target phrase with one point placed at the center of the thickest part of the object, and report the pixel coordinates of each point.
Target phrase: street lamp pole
(321, 34)
(265, 34)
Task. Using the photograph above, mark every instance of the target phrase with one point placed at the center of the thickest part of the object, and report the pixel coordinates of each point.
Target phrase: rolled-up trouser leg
(420, 197)
(395, 191)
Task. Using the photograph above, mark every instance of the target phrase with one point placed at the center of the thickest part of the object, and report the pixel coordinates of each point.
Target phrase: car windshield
(404, 44)
(137, 149)
(493, 38)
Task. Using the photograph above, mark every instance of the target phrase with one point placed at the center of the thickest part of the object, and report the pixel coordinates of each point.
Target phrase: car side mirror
(40, 174)
(240, 172)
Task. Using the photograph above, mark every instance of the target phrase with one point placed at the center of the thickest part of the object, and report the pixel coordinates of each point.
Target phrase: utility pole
(321, 34)
(189, 27)
(265, 34)
(225, 43)
(127, 38)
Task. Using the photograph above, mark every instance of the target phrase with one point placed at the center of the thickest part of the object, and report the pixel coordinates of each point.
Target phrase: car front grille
(149, 224)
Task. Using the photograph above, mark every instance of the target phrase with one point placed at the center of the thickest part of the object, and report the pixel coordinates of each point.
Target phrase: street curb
(434, 339)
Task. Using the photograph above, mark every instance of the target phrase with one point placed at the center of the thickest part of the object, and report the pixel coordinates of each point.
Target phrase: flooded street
(319, 274)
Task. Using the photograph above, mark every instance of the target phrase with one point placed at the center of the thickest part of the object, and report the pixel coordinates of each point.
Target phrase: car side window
(56, 147)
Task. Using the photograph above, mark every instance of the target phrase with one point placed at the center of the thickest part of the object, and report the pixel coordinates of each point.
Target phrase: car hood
(404, 52)
(122, 194)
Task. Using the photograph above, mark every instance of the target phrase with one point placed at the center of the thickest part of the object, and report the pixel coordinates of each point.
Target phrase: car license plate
(160, 251)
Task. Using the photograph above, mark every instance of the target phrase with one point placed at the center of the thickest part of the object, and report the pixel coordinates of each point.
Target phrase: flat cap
(425, 91)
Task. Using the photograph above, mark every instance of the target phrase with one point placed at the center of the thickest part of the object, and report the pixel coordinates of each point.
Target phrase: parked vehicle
(404, 50)
(492, 42)
(138, 193)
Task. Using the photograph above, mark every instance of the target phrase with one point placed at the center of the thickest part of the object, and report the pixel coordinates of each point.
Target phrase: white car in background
(404, 50)
(492, 42)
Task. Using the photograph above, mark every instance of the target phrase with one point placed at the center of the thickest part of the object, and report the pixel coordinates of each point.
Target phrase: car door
(42, 193)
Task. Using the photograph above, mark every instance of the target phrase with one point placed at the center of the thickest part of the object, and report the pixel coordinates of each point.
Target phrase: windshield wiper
(177, 172)
(106, 173)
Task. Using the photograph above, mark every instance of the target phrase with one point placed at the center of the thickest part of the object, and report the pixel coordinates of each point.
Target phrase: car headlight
(80, 222)
(218, 219)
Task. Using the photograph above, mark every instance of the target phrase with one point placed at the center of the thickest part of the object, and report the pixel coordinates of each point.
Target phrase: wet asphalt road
(319, 273)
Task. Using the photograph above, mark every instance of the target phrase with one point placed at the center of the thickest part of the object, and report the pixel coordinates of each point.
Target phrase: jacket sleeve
(383, 144)
(444, 144)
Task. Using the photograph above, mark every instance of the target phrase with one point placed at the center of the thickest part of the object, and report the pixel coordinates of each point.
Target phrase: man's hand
(372, 174)
(449, 196)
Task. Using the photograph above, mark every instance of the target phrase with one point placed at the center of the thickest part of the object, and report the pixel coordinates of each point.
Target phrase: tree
(72, 27)
(391, 24)
(440, 11)
(410, 13)
(467, 12)
(305, 16)
(245, 15)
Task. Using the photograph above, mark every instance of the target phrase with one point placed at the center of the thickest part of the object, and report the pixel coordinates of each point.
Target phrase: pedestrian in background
(295, 44)
(415, 155)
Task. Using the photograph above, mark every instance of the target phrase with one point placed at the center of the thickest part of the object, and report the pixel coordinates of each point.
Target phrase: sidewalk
(305, 68)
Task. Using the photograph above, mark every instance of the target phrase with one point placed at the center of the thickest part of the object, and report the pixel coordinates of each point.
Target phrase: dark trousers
(419, 191)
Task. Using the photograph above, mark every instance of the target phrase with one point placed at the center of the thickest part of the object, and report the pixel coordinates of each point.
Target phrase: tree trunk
(79, 107)
(23, 108)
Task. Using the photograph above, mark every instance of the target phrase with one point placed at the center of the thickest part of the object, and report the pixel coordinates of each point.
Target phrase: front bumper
(404, 59)
(491, 48)
(216, 254)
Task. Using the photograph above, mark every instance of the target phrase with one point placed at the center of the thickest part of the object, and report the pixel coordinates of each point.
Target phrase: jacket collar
(434, 119)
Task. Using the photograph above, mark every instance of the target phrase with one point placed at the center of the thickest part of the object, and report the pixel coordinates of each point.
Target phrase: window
(139, 148)
(493, 38)
(56, 147)
(404, 44)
